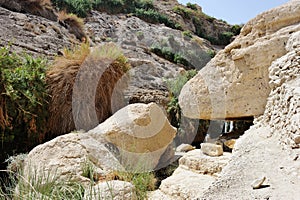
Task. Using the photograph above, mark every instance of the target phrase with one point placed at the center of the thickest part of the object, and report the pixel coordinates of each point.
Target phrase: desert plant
(184, 12)
(74, 24)
(191, 6)
(168, 54)
(174, 86)
(23, 96)
(47, 186)
(78, 7)
(211, 53)
(153, 16)
(143, 182)
(61, 78)
(187, 34)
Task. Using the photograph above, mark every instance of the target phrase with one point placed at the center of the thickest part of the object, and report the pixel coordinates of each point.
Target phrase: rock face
(270, 148)
(141, 133)
(136, 39)
(33, 34)
(218, 91)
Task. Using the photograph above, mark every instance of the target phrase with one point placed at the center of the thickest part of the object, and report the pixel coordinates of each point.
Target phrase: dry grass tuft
(74, 24)
(62, 76)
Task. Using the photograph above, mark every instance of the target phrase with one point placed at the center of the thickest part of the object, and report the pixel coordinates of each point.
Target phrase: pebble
(212, 149)
(257, 183)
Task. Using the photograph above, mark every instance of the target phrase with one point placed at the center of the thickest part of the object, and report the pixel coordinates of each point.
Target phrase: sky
(235, 11)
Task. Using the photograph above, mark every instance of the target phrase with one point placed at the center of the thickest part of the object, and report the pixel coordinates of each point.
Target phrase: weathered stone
(184, 148)
(212, 149)
(257, 183)
(218, 91)
(197, 161)
(65, 156)
(185, 184)
(141, 132)
(230, 143)
(116, 190)
(32, 34)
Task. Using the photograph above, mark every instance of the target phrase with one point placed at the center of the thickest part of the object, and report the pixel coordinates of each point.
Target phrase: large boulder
(66, 156)
(141, 134)
(235, 83)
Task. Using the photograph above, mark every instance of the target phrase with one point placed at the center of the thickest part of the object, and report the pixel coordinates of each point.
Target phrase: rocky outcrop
(196, 172)
(33, 34)
(35, 7)
(141, 133)
(265, 163)
(137, 39)
(235, 83)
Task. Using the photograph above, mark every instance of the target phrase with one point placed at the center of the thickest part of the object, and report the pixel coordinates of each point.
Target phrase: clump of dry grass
(74, 24)
(62, 76)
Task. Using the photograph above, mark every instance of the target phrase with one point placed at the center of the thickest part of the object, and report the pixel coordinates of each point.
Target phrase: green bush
(187, 34)
(191, 6)
(174, 86)
(225, 37)
(23, 99)
(184, 12)
(78, 7)
(236, 29)
(168, 54)
(153, 16)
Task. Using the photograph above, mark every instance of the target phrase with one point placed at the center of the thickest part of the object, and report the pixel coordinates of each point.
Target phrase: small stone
(297, 139)
(230, 143)
(212, 149)
(184, 148)
(257, 183)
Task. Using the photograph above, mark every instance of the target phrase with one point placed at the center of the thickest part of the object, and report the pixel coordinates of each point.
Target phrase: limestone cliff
(235, 83)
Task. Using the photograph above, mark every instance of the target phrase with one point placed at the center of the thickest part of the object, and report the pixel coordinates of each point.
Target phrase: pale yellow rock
(197, 161)
(142, 134)
(212, 149)
(235, 83)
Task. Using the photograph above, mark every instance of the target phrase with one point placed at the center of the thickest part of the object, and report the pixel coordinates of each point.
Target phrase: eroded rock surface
(235, 83)
(141, 133)
(32, 34)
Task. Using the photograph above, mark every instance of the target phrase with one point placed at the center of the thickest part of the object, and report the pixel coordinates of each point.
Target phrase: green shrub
(225, 37)
(78, 7)
(168, 54)
(211, 53)
(174, 86)
(187, 34)
(23, 99)
(236, 29)
(191, 6)
(184, 12)
(153, 16)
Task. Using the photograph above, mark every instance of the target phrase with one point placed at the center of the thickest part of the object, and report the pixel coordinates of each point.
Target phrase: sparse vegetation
(73, 23)
(153, 16)
(191, 6)
(187, 34)
(183, 11)
(174, 86)
(61, 78)
(143, 182)
(23, 96)
(168, 54)
(211, 53)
